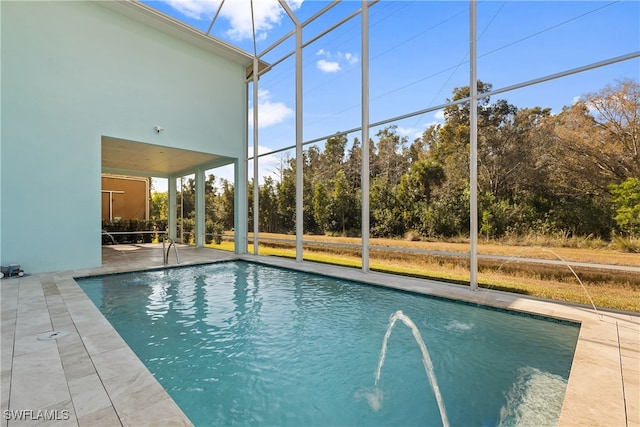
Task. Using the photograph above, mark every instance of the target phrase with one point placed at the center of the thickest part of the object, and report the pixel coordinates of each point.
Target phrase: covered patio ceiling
(121, 156)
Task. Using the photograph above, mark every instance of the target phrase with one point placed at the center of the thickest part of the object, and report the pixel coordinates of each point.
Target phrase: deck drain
(52, 335)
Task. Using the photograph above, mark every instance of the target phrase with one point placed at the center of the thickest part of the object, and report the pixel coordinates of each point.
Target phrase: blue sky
(419, 52)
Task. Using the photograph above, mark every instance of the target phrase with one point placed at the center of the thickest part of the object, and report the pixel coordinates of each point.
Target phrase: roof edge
(168, 25)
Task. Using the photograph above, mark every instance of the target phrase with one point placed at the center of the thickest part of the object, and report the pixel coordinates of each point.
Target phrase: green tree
(537, 171)
(507, 153)
(626, 199)
(599, 138)
(343, 204)
(250, 208)
(287, 198)
(321, 207)
(186, 199)
(268, 206)
(415, 191)
(353, 163)
(334, 152)
(308, 205)
(210, 185)
(418, 183)
(159, 206)
(213, 209)
(451, 146)
(227, 204)
(448, 214)
(498, 215)
(390, 160)
(486, 226)
(387, 216)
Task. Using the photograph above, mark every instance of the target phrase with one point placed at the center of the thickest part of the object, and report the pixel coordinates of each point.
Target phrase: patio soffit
(123, 156)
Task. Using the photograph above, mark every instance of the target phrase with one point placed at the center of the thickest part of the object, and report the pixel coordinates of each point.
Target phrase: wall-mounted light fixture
(158, 129)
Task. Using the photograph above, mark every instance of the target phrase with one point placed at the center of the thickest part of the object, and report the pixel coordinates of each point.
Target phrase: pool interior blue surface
(248, 344)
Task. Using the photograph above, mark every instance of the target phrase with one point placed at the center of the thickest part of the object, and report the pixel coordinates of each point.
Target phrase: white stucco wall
(71, 73)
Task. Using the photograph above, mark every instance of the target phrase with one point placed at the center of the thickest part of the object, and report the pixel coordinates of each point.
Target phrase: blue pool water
(247, 344)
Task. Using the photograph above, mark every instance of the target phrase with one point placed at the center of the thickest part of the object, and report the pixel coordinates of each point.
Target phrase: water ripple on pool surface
(241, 343)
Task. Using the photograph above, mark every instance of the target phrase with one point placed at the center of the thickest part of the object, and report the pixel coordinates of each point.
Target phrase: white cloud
(269, 112)
(439, 116)
(261, 150)
(195, 9)
(267, 13)
(417, 131)
(410, 133)
(332, 63)
(351, 58)
(268, 165)
(328, 66)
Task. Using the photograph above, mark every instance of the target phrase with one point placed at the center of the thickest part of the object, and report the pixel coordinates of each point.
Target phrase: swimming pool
(243, 343)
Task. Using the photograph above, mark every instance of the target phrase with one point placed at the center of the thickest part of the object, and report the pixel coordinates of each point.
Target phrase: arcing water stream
(426, 361)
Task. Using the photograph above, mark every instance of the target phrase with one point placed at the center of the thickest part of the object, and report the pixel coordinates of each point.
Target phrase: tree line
(575, 173)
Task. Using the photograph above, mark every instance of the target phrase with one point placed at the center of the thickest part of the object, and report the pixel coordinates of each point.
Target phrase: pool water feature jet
(376, 398)
(164, 315)
(584, 288)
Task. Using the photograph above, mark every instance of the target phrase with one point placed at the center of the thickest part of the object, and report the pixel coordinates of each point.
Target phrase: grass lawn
(608, 289)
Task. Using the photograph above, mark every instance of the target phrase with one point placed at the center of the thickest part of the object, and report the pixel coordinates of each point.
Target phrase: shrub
(412, 236)
(131, 226)
(213, 232)
(627, 244)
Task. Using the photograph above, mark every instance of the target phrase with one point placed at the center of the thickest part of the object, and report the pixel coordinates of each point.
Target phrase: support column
(364, 181)
(240, 208)
(256, 179)
(172, 216)
(200, 210)
(299, 158)
(473, 143)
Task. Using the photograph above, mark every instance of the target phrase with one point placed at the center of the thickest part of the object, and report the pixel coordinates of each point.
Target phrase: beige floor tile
(63, 322)
(94, 365)
(77, 365)
(59, 414)
(5, 384)
(35, 321)
(30, 343)
(102, 341)
(134, 392)
(113, 363)
(88, 395)
(105, 417)
(38, 380)
(158, 413)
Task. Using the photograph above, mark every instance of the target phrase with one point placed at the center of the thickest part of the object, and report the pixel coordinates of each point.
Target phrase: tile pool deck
(88, 376)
